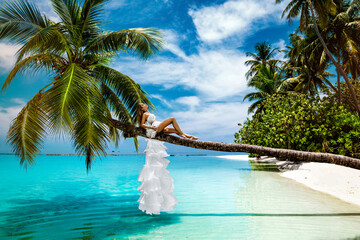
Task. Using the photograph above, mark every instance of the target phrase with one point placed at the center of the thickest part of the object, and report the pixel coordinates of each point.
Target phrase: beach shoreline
(338, 181)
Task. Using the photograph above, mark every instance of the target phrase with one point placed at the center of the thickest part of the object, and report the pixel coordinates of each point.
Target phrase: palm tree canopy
(85, 92)
(308, 63)
(320, 10)
(302, 8)
(267, 81)
(263, 55)
(343, 33)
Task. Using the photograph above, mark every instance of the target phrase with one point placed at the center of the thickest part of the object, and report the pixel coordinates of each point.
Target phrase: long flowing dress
(156, 183)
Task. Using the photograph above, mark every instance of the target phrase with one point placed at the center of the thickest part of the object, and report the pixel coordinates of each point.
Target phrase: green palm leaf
(48, 39)
(92, 11)
(90, 132)
(120, 112)
(34, 62)
(127, 89)
(115, 104)
(20, 20)
(27, 130)
(66, 98)
(142, 41)
(68, 10)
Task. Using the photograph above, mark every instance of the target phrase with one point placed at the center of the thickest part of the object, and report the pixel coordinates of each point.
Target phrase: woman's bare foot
(191, 137)
(183, 135)
(194, 138)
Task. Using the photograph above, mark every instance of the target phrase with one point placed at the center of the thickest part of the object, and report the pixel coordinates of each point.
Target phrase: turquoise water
(218, 199)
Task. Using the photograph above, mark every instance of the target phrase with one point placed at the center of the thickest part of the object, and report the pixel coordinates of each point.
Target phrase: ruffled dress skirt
(156, 183)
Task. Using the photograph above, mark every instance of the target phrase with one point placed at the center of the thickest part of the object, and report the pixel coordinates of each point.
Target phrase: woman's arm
(143, 120)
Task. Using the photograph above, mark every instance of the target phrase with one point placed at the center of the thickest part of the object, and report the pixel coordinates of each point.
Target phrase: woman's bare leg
(163, 127)
(172, 121)
(171, 130)
(167, 122)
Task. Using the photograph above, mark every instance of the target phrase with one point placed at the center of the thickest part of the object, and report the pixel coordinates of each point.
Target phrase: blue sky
(199, 77)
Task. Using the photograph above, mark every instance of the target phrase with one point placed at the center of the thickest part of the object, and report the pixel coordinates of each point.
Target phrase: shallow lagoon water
(218, 199)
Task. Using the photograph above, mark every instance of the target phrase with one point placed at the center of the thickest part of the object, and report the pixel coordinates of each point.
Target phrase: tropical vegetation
(305, 110)
(302, 123)
(326, 11)
(85, 92)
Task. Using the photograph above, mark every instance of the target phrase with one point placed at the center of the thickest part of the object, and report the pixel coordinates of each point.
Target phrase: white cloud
(211, 120)
(115, 4)
(282, 46)
(7, 56)
(161, 98)
(238, 17)
(190, 101)
(19, 101)
(214, 74)
(7, 114)
(172, 43)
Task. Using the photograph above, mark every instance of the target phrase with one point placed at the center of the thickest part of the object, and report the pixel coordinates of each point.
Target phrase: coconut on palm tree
(85, 91)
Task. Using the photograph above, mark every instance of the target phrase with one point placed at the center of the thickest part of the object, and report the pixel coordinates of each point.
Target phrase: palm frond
(136, 143)
(90, 132)
(66, 98)
(20, 20)
(27, 130)
(142, 41)
(125, 88)
(116, 105)
(255, 96)
(92, 12)
(34, 62)
(49, 39)
(255, 106)
(69, 11)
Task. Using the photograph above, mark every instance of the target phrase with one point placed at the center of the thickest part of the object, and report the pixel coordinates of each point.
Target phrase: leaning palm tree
(323, 8)
(85, 92)
(263, 56)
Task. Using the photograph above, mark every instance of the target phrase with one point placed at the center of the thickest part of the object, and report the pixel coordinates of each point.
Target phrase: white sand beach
(338, 181)
(341, 182)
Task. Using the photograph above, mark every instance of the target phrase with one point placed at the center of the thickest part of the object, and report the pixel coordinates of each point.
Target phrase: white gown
(156, 184)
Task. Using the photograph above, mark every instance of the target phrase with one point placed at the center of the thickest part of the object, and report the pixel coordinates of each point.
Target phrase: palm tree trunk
(338, 66)
(330, 84)
(338, 73)
(292, 155)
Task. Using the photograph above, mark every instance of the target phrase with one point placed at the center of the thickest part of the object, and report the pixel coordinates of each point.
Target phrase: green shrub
(298, 122)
